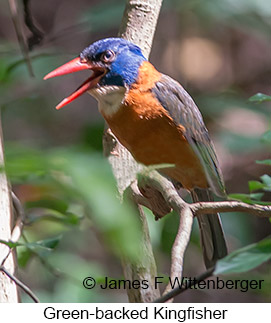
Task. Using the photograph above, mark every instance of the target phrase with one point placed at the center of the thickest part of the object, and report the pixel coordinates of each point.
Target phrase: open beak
(76, 65)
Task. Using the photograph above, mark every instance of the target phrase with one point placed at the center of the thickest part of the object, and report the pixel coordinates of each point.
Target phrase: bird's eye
(108, 56)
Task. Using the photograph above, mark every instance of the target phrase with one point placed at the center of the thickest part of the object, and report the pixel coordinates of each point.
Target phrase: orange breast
(144, 127)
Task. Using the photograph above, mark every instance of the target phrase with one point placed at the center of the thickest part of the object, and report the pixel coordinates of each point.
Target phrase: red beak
(76, 65)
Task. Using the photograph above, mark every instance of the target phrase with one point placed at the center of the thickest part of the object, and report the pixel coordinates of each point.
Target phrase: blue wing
(184, 111)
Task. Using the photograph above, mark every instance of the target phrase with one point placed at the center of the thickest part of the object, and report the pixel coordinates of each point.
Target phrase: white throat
(109, 97)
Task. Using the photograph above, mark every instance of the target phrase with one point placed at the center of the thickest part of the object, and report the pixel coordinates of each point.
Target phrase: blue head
(113, 61)
(120, 59)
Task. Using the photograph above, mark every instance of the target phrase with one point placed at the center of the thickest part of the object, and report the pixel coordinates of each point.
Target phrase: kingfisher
(157, 121)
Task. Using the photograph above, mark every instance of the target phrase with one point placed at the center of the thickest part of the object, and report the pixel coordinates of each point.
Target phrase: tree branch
(262, 211)
(152, 179)
(26, 289)
(166, 188)
(180, 244)
(176, 291)
(8, 290)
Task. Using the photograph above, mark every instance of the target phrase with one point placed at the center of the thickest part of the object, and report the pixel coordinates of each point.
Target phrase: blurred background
(219, 51)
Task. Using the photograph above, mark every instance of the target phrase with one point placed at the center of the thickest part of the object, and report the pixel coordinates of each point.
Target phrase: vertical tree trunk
(138, 26)
(8, 289)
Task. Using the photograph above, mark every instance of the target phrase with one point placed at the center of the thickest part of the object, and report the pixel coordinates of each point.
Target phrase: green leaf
(259, 98)
(264, 162)
(266, 179)
(245, 259)
(255, 185)
(43, 247)
(50, 243)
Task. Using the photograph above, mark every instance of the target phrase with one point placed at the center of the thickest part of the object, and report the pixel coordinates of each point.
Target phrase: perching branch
(263, 211)
(8, 290)
(168, 191)
(186, 212)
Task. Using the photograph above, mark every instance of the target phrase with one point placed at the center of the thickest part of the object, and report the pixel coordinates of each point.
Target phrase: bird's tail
(212, 236)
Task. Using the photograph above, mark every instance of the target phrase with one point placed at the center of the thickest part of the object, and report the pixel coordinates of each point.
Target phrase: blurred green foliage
(79, 177)
(71, 184)
(250, 15)
(259, 98)
(245, 259)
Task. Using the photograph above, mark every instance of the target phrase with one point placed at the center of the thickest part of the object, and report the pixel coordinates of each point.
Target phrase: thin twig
(180, 244)
(37, 35)
(176, 291)
(20, 284)
(231, 206)
(19, 33)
